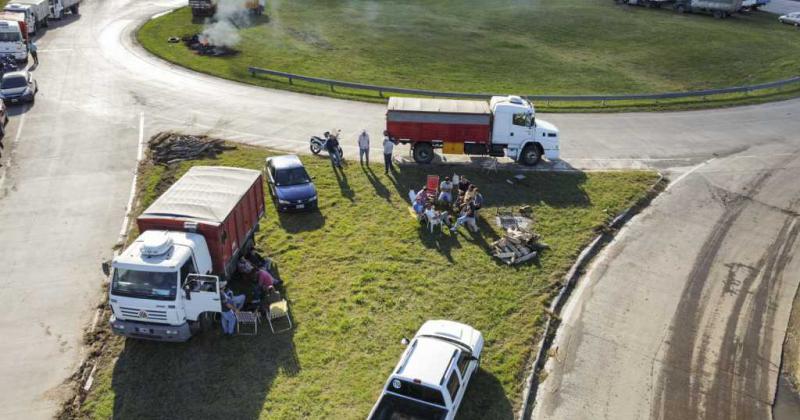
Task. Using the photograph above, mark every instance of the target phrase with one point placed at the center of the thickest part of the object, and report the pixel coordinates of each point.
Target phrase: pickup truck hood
(544, 125)
(463, 333)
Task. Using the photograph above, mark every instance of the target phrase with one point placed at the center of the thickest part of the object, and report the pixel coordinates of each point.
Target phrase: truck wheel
(717, 14)
(74, 9)
(423, 153)
(46, 23)
(680, 8)
(530, 155)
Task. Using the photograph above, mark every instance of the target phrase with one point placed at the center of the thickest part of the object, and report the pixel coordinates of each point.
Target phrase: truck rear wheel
(680, 8)
(75, 8)
(531, 155)
(423, 153)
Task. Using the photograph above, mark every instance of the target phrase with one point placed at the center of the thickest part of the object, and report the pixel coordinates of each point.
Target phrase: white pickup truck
(432, 376)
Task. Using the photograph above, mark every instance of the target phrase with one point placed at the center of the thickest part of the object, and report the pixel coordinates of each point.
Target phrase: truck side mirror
(106, 267)
(187, 292)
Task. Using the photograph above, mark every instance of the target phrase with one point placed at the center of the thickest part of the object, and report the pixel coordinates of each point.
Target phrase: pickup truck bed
(393, 407)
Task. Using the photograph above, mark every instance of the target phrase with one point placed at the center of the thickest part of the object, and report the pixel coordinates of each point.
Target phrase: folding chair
(247, 323)
(277, 310)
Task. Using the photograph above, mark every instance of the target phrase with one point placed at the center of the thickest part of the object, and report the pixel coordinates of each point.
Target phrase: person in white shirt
(446, 190)
(363, 146)
(388, 147)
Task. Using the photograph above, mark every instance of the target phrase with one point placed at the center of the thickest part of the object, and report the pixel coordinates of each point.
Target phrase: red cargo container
(441, 120)
(222, 204)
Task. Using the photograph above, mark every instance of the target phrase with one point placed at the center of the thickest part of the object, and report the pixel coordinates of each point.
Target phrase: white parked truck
(12, 40)
(59, 7)
(168, 280)
(432, 376)
(504, 126)
(36, 12)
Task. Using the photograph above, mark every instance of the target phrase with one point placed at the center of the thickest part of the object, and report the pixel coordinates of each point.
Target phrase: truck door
(201, 294)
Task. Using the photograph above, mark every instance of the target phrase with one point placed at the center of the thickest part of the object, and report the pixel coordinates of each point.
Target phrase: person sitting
(477, 198)
(446, 191)
(419, 202)
(229, 310)
(236, 300)
(467, 216)
(463, 185)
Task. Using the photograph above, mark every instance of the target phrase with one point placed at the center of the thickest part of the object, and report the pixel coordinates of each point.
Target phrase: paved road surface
(72, 156)
(782, 7)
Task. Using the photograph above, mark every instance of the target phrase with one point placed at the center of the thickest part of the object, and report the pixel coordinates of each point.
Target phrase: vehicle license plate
(301, 206)
(143, 330)
(14, 100)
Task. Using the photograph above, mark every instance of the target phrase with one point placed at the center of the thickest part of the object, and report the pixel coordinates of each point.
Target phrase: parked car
(431, 378)
(18, 86)
(289, 183)
(791, 19)
(3, 114)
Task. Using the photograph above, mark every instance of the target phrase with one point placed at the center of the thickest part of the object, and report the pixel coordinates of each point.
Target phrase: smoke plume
(223, 28)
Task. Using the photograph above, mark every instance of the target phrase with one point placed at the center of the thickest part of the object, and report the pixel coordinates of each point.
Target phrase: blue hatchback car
(289, 184)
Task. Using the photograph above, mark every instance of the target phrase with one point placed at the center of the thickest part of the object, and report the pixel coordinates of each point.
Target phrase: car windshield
(145, 284)
(13, 82)
(10, 37)
(291, 176)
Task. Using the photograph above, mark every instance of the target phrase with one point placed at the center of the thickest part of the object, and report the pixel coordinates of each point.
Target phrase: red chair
(432, 187)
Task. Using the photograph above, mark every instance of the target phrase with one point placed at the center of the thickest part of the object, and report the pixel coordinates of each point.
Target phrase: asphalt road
(782, 7)
(70, 158)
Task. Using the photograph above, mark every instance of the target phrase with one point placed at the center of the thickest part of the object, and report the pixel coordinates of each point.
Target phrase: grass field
(508, 46)
(361, 274)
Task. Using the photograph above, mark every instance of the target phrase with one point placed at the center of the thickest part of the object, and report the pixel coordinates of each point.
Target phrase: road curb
(574, 274)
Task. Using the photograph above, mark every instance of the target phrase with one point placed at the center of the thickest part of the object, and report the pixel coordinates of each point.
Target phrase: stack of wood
(517, 246)
(168, 148)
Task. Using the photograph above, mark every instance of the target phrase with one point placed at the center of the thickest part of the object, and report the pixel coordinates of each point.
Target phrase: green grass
(500, 46)
(361, 274)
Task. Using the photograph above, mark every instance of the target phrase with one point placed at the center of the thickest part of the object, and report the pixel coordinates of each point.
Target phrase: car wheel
(423, 153)
(530, 155)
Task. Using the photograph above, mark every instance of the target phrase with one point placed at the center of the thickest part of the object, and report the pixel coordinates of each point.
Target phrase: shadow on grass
(344, 185)
(380, 189)
(440, 240)
(207, 377)
(301, 222)
(555, 189)
(485, 395)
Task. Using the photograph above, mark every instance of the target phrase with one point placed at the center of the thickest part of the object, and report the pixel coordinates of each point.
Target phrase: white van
(11, 41)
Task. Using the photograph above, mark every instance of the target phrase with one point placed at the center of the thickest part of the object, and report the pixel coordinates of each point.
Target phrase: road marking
(139, 152)
(687, 173)
(21, 123)
(46, 50)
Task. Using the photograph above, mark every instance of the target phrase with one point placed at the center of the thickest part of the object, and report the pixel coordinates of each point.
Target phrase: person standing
(32, 50)
(363, 146)
(388, 148)
(333, 150)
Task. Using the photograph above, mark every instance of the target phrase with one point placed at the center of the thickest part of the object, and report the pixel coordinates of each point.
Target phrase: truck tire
(531, 155)
(680, 8)
(75, 8)
(423, 153)
(718, 14)
(46, 23)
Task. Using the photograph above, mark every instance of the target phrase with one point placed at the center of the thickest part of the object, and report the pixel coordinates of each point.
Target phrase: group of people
(460, 200)
(333, 147)
(256, 269)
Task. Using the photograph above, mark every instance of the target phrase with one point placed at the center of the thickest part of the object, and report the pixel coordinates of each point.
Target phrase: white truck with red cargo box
(505, 126)
(431, 378)
(36, 12)
(168, 280)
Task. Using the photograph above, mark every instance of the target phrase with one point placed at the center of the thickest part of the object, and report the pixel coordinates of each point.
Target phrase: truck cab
(159, 286)
(516, 128)
(12, 40)
(432, 376)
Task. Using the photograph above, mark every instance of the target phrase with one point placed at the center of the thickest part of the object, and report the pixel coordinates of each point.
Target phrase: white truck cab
(515, 126)
(12, 42)
(159, 287)
(432, 376)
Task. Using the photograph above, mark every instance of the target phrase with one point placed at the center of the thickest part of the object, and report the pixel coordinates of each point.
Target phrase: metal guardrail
(333, 84)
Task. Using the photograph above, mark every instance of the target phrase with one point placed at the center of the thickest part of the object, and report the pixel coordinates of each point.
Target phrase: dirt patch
(309, 38)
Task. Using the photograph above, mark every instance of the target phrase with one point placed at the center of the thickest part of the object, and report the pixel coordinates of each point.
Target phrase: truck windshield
(145, 284)
(291, 176)
(10, 37)
(416, 391)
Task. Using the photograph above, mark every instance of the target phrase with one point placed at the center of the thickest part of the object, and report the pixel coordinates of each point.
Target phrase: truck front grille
(145, 314)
